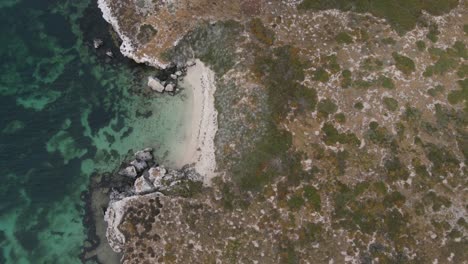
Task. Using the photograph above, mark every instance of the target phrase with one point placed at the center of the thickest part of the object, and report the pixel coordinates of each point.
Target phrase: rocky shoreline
(112, 194)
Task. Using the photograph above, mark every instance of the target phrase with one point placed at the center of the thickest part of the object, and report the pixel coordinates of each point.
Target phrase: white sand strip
(199, 144)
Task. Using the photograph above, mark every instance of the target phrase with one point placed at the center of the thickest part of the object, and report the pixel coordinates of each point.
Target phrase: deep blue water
(66, 111)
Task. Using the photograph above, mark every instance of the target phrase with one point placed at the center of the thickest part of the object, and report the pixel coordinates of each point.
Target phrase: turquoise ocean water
(66, 111)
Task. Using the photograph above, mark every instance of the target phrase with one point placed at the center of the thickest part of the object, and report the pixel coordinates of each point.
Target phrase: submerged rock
(109, 54)
(155, 85)
(143, 155)
(97, 43)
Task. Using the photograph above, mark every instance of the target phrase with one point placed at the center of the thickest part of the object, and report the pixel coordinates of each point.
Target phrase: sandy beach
(198, 146)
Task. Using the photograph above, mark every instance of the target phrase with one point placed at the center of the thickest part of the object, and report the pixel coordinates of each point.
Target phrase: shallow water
(66, 111)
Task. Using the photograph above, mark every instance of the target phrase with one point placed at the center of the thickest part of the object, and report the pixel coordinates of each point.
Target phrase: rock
(109, 54)
(97, 43)
(173, 76)
(178, 73)
(191, 63)
(142, 185)
(170, 87)
(139, 165)
(143, 155)
(129, 171)
(148, 150)
(156, 174)
(155, 85)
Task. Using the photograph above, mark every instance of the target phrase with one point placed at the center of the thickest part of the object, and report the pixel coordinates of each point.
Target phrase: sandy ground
(198, 146)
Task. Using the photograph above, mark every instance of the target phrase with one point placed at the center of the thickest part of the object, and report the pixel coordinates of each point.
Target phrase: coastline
(127, 48)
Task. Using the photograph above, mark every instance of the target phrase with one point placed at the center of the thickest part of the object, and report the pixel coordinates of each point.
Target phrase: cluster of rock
(148, 180)
(97, 43)
(151, 177)
(170, 84)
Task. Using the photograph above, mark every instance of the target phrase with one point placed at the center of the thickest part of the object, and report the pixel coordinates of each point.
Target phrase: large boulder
(156, 174)
(170, 87)
(142, 185)
(129, 171)
(155, 84)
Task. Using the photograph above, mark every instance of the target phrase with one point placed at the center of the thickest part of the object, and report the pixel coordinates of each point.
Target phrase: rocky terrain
(341, 132)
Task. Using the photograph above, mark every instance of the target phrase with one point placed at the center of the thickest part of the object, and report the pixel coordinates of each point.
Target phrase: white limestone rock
(155, 84)
(170, 87)
(142, 185)
(156, 174)
(139, 165)
(129, 171)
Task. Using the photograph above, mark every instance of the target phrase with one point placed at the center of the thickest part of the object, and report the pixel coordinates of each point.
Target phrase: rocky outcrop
(168, 80)
(151, 181)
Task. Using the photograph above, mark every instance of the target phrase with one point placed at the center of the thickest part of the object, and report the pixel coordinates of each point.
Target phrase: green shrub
(388, 41)
(433, 33)
(340, 118)
(371, 64)
(436, 90)
(312, 196)
(359, 106)
(394, 199)
(463, 71)
(421, 45)
(326, 107)
(344, 38)
(332, 136)
(346, 79)
(386, 82)
(458, 96)
(396, 170)
(295, 202)
(401, 14)
(321, 75)
(260, 32)
(390, 103)
(403, 63)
